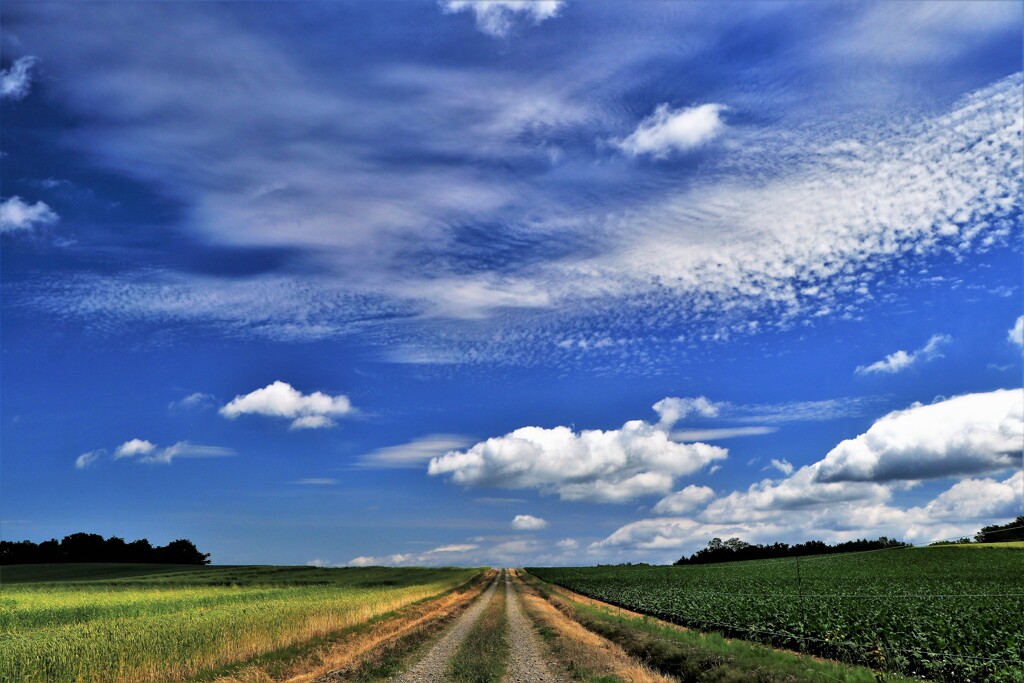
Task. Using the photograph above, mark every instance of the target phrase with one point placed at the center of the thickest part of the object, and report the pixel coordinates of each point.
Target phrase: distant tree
(181, 551)
(734, 549)
(83, 547)
(1001, 533)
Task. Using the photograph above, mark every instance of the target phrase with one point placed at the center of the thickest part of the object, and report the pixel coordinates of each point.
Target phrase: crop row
(937, 613)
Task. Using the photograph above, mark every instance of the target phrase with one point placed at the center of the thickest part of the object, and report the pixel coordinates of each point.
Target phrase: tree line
(83, 547)
(997, 533)
(734, 549)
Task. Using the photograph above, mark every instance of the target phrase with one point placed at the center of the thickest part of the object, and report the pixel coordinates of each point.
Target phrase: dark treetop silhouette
(83, 547)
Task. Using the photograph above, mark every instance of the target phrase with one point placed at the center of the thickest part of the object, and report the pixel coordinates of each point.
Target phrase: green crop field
(157, 623)
(941, 613)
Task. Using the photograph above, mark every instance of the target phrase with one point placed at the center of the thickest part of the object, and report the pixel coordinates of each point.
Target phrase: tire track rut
(526, 661)
(434, 665)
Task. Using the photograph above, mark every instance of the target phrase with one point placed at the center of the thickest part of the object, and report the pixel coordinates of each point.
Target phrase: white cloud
(684, 501)
(803, 411)
(440, 555)
(312, 422)
(184, 449)
(765, 514)
(454, 548)
(1016, 333)
(528, 523)
(498, 17)
(783, 466)
(280, 399)
(901, 360)
(152, 454)
(674, 130)
(568, 544)
(673, 409)
(194, 401)
(16, 81)
(414, 453)
(605, 466)
(18, 216)
(718, 433)
(86, 459)
(973, 499)
(316, 481)
(134, 447)
(969, 434)
(846, 496)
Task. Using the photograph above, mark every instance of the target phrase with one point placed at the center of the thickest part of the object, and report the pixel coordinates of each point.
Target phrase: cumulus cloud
(498, 17)
(783, 466)
(412, 454)
(973, 499)
(87, 459)
(901, 360)
(844, 496)
(838, 516)
(16, 81)
(674, 130)
(280, 399)
(568, 544)
(19, 216)
(444, 554)
(672, 409)
(1016, 333)
(969, 434)
(605, 466)
(528, 523)
(134, 447)
(684, 501)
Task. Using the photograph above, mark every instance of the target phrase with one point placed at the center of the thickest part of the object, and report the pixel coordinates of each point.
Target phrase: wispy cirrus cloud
(412, 454)
(901, 360)
(147, 452)
(784, 221)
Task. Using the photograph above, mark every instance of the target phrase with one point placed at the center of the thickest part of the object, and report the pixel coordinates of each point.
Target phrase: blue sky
(509, 283)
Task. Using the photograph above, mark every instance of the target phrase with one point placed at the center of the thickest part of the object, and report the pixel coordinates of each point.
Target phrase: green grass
(937, 612)
(108, 623)
(483, 656)
(1000, 544)
(96, 571)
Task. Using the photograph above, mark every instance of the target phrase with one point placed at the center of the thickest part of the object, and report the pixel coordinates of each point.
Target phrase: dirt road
(526, 661)
(433, 666)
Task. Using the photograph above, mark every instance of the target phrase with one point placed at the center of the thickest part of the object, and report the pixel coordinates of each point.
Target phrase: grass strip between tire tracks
(483, 656)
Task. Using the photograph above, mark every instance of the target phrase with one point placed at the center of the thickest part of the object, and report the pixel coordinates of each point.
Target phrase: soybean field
(162, 623)
(940, 613)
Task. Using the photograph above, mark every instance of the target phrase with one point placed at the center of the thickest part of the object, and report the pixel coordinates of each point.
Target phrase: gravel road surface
(526, 661)
(433, 666)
